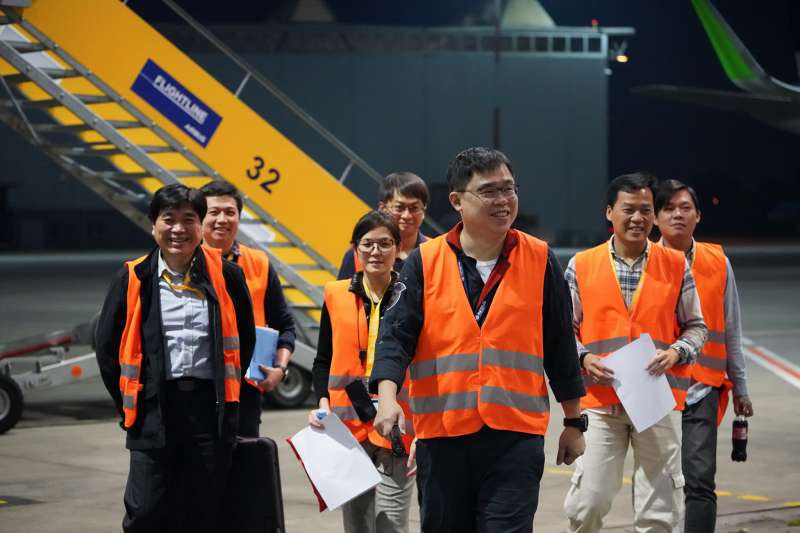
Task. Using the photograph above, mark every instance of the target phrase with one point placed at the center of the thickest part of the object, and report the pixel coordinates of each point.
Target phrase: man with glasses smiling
(404, 196)
(478, 316)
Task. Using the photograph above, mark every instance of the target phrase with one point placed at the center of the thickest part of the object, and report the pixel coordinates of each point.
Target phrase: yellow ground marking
(3, 502)
(791, 504)
(753, 498)
(563, 471)
(558, 471)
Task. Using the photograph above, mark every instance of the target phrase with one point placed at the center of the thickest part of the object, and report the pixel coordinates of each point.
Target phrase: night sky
(752, 169)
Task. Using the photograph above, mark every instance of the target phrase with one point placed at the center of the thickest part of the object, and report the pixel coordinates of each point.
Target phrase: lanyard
(181, 287)
(483, 302)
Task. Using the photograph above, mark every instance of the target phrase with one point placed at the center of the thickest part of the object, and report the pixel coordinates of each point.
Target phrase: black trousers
(178, 487)
(699, 457)
(250, 402)
(487, 481)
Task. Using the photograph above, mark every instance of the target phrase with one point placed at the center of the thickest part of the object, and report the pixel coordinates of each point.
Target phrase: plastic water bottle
(739, 437)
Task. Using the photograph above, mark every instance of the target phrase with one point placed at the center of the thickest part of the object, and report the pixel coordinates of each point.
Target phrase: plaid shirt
(690, 317)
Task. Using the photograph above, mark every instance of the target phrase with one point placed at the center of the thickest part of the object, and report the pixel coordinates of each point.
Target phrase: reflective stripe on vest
(710, 272)
(349, 337)
(230, 330)
(130, 347)
(130, 350)
(463, 377)
(608, 324)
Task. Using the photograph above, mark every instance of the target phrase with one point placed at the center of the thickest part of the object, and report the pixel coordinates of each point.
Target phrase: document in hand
(335, 463)
(647, 399)
(263, 353)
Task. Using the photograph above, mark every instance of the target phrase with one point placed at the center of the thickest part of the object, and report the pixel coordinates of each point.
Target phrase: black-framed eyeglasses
(384, 245)
(489, 194)
(399, 209)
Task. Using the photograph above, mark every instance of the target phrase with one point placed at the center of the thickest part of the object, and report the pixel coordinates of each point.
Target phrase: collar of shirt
(689, 252)
(357, 286)
(163, 267)
(420, 239)
(619, 258)
(454, 239)
(234, 254)
(500, 268)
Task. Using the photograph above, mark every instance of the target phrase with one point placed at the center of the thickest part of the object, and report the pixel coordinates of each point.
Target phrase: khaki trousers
(657, 478)
(385, 508)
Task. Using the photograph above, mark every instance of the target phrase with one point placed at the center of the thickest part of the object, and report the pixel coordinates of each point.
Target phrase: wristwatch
(581, 422)
(683, 355)
(285, 372)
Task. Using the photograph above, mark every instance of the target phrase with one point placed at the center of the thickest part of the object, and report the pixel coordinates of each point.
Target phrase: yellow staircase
(119, 107)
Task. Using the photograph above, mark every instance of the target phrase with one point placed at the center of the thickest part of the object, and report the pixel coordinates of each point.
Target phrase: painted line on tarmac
(565, 471)
(780, 366)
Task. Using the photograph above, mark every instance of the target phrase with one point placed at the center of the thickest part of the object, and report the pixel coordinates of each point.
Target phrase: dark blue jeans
(484, 482)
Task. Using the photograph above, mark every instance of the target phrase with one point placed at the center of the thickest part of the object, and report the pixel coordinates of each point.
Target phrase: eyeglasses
(489, 194)
(399, 209)
(384, 245)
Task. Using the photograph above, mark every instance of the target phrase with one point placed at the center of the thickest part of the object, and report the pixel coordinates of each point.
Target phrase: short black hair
(176, 195)
(372, 220)
(630, 183)
(222, 188)
(405, 183)
(668, 188)
(471, 161)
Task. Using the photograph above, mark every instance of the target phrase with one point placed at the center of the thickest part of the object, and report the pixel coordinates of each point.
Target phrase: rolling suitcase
(253, 499)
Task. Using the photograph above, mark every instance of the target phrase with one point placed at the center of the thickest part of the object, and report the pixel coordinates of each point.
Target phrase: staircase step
(25, 47)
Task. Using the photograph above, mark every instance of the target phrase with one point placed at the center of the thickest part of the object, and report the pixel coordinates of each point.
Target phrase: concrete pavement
(63, 467)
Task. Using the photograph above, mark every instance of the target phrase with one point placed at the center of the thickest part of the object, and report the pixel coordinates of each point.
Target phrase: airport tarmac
(63, 467)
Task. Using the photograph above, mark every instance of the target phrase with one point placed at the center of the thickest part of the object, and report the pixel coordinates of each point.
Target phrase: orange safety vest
(464, 376)
(350, 334)
(608, 324)
(710, 273)
(255, 265)
(130, 348)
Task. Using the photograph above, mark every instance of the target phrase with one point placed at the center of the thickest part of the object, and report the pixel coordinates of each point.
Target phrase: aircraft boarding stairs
(119, 107)
(124, 111)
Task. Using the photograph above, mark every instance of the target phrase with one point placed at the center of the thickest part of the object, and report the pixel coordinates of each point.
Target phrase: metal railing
(252, 73)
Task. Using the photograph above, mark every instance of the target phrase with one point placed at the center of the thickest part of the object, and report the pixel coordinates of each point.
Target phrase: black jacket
(148, 430)
(321, 369)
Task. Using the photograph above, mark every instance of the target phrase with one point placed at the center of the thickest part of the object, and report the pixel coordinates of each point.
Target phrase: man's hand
(599, 374)
(663, 361)
(389, 411)
(411, 464)
(273, 377)
(570, 446)
(742, 406)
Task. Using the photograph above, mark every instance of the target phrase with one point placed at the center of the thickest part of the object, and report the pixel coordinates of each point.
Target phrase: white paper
(335, 462)
(646, 398)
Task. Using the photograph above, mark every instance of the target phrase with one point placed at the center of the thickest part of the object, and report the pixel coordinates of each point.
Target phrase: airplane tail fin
(737, 61)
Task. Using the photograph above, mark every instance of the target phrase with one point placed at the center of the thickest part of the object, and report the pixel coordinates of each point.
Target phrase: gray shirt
(733, 341)
(184, 320)
(690, 317)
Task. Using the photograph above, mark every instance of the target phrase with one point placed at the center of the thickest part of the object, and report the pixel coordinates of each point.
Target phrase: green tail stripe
(733, 62)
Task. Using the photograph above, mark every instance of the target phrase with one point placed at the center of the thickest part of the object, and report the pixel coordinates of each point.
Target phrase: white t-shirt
(485, 268)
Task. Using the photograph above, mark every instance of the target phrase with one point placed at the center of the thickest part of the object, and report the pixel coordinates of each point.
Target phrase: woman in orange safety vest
(349, 324)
